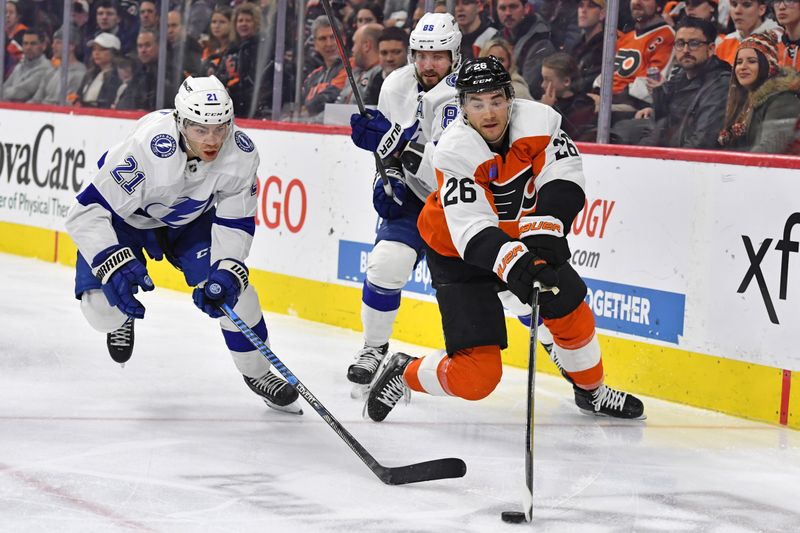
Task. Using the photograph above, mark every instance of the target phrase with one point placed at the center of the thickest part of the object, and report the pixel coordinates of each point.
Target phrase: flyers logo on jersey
(512, 197)
(627, 61)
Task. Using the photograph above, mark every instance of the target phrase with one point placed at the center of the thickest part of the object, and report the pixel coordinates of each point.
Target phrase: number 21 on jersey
(128, 175)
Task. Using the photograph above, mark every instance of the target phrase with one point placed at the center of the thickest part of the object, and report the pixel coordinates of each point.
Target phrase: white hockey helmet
(435, 32)
(203, 101)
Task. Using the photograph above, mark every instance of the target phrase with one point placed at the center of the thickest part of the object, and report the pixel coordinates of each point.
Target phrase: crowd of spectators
(710, 74)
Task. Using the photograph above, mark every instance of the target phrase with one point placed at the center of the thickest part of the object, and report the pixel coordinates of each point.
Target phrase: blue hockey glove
(544, 236)
(375, 133)
(389, 207)
(121, 275)
(226, 281)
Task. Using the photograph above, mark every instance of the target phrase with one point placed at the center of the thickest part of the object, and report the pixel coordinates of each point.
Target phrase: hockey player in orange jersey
(510, 184)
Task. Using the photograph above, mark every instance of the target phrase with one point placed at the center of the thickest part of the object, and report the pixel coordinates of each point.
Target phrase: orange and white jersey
(788, 52)
(636, 52)
(726, 49)
(480, 189)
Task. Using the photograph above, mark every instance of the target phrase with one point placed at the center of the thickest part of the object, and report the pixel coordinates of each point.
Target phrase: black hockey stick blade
(400, 475)
(428, 471)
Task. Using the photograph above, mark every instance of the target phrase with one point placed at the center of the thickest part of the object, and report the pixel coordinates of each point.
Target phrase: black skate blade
(291, 409)
(596, 413)
(428, 471)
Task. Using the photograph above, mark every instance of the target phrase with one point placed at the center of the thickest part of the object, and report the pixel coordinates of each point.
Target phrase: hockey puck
(513, 517)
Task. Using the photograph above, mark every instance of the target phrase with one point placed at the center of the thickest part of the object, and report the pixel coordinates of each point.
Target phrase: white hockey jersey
(147, 181)
(480, 189)
(403, 100)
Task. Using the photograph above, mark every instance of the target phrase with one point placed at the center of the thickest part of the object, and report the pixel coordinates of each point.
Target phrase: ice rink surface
(176, 442)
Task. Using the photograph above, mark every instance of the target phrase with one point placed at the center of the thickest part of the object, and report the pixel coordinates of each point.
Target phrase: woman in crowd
(370, 13)
(576, 109)
(763, 106)
(221, 30)
(100, 84)
(501, 49)
(749, 16)
(14, 31)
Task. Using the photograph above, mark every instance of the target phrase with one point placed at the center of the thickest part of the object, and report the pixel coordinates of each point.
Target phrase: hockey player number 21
(459, 190)
(128, 175)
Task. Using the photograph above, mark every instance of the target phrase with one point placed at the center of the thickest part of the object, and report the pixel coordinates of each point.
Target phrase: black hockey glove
(525, 271)
(226, 281)
(545, 237)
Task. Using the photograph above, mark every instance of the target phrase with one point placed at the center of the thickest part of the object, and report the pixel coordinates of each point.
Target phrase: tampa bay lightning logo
(163, 145)
(244, 142)
(183, 211)
(451, 79)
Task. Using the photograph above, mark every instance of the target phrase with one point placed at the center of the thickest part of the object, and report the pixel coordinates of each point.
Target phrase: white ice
(175, 442)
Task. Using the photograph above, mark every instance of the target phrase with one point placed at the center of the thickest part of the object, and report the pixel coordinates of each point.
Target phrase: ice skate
(364, 371)
(275, 392)
(120, 343)
(388, 388)
(605, 401)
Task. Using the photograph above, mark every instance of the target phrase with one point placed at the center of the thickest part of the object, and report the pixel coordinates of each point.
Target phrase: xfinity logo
(785, 246)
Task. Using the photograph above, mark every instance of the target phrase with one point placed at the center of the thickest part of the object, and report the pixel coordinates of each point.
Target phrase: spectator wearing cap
(324, 83)
(393, 53)
(588, 53)
(14, 32)
(689, 108)
(49, 91)
(749, 16)
(763, 105)
(99, 85)
(475, 28)
(28, 74)
(562, 17)
(788, 14)
(502, 50)
(644, 51)
(530, 35)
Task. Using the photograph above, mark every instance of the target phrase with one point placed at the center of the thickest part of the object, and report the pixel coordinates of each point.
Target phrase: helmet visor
(480, 102)
(205, 133)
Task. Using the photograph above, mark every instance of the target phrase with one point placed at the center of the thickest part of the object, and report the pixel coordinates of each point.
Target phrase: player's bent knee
(101, 315)
(390, 264)
(474, 373)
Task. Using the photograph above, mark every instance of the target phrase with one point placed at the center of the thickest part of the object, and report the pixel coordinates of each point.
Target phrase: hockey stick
(326, 5)
(398, 475)
(517, 517)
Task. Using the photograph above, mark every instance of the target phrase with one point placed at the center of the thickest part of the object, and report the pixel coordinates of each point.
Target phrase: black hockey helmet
(483, 74)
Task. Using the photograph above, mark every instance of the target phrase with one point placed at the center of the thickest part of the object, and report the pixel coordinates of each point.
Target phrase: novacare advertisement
(699, 256)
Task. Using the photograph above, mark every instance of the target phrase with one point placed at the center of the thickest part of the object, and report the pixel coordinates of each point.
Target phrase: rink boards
(689, 258)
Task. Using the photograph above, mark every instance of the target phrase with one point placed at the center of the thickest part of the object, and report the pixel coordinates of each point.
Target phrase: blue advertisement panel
(352, 266)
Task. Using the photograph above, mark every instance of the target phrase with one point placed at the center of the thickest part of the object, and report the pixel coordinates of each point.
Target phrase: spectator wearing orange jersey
(324, 83)
(749, 16)
(788, 14)
(646, 47)
(14, 31)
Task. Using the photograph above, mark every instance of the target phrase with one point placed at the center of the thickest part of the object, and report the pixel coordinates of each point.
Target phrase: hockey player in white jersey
(416, 103)
(182, 186)
(510, 184)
